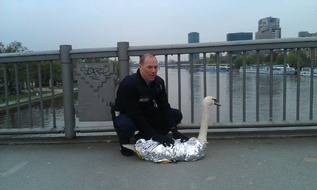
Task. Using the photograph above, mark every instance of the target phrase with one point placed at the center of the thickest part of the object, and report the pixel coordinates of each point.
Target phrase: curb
(111, 137)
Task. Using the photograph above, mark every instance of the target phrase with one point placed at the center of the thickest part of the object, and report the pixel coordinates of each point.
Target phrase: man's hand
(164, 140)
(177, 135)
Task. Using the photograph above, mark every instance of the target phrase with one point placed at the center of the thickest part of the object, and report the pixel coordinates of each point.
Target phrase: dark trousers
(125, 127)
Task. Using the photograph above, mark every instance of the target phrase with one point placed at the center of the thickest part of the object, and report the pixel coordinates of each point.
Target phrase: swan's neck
(202, 137)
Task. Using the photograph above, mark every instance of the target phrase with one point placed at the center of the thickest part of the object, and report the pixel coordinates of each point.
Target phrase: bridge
(73, 154)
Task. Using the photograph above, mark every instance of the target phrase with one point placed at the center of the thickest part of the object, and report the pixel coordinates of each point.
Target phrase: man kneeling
(142, 105)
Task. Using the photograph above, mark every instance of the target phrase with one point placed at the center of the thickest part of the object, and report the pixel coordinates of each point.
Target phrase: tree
(238, 62)
(10, 68)
(12, 47)
(32, 68)
(279, 59)
(212, 58)
(1, 47)
(292, 59)
(303, 59)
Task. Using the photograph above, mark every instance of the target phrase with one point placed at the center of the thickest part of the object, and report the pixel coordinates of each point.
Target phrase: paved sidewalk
(270, 163)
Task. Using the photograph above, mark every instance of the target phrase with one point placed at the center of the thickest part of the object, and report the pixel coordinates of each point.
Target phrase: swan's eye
(216, 102)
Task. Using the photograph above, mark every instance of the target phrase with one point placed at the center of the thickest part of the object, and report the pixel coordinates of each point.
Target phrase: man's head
(148, 67)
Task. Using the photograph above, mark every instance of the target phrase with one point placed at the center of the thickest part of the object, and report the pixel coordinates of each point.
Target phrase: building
(306, 34)
(268, 28)
(193, 37)
(239, 36)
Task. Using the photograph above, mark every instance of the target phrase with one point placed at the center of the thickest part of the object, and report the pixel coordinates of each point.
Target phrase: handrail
(123, 52)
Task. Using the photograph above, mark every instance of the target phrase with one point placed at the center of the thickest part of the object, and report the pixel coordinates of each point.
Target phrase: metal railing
(123, 52)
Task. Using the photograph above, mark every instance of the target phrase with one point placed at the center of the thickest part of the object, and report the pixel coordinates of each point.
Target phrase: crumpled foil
(190, 150)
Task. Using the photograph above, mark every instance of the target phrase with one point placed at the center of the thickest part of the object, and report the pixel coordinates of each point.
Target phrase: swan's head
(210, 100)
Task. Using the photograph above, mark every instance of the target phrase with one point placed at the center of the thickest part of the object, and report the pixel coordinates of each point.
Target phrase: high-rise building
(269, 28)
(193, 37)
(239, 36)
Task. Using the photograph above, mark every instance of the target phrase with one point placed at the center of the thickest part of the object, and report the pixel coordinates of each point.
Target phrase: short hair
(142, 58)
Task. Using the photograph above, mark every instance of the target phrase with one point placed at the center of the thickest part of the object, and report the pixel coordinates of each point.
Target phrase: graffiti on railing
(96, 73)
(95, 84)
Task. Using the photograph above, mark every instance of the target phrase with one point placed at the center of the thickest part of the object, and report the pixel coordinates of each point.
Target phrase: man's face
(149, 69)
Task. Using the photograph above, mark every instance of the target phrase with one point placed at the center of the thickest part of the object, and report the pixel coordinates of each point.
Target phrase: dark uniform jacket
(145, 103)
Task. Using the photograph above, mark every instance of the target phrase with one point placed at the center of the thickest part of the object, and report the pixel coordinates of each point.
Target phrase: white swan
(191, 150)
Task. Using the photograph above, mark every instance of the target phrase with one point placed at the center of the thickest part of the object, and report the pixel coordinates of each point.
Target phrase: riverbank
(35, 99)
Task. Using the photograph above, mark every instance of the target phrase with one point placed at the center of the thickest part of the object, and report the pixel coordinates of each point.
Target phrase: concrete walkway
(267, 163)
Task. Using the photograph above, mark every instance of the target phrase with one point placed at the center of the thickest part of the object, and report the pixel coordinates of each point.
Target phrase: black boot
(125, 151)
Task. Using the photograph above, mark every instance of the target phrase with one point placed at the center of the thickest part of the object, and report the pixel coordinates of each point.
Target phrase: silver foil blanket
(151, 150)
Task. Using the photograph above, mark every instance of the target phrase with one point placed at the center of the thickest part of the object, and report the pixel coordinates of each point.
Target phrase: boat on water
(252, 69)
(277, 69)
(213, 68)
(306, 71)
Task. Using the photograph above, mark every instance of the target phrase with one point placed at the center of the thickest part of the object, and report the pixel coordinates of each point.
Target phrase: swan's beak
(216, 102)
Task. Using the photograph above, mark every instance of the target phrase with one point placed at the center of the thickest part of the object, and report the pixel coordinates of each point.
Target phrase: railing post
(68, 91)
(123, 58)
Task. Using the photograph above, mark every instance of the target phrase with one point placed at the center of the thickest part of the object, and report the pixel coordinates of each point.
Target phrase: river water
(237, 88)
(11, 121)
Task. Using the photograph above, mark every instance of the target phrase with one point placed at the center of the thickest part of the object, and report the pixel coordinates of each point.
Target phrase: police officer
(142, 105)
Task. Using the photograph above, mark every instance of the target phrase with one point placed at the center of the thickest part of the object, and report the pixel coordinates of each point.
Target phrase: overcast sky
(46, 24)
